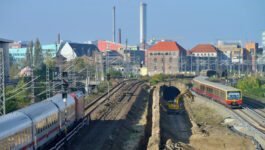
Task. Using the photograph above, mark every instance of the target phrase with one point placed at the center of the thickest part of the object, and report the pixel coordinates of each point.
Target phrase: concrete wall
(154, 140)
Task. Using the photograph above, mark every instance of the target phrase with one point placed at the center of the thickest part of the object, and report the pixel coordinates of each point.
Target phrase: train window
(223, 95)
(9, 142)
(27, 134)
(202, 87)
(5, 143)
(1, 144)
(22, 137)
(12, 141)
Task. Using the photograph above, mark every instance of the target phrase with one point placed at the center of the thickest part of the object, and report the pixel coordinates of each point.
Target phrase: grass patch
(107, 105)
(204, 116)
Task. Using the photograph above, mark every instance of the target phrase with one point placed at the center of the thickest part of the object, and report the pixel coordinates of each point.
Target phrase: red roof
(166, 46)
(203, 48)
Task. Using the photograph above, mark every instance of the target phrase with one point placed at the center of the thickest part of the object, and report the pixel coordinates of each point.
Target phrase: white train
(35, 126)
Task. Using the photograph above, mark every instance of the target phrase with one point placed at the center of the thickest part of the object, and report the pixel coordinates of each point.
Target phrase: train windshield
(233, 95)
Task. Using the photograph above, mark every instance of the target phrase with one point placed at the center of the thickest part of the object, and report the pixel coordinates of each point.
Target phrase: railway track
(92, 106)
(248, 116)
(106, 120)
(122, 98)
(255, 106)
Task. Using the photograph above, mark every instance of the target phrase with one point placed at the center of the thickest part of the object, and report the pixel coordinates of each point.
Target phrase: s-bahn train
(35, 126)
(227, 95)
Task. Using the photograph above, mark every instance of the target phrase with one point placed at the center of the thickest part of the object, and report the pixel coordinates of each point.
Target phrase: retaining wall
(154, 140)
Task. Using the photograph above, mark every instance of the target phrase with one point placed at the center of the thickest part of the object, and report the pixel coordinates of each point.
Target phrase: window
(223, 95)
(170, 68)
(151, 54)
(162, 60)
(233, 95)
(166, 53)
(170, 60)
(155, 68)
(202, 87)
(1, 144)
(209, 89)
(158, 53)
(174, 53)
(155, 54)
(155, 60)
(5, 143)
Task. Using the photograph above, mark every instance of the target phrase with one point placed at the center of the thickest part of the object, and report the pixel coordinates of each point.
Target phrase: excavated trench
(176, 127)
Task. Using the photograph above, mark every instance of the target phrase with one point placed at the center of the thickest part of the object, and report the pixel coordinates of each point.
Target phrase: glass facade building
(20, 53)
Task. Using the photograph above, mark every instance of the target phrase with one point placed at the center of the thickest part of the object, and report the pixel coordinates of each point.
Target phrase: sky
(190, 22)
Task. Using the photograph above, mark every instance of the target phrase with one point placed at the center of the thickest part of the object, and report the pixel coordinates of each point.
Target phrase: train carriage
(225, 94)
(70, 108)
(35, 126)
(79, 98)
(15, 131)
(44, 116)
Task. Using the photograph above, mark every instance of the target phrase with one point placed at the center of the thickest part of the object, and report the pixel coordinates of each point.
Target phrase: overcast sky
(192, 22)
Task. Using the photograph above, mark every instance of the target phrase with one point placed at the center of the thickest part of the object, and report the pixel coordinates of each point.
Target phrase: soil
(207, 133)
(120, 121)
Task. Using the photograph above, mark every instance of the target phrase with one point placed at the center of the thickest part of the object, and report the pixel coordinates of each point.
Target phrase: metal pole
(47, 81)
(3, 73)
(102, 68)
(108, 71)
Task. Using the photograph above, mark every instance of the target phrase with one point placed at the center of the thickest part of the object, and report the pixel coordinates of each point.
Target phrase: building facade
(106, 45)
(165, 57)
(203, 57)
(251, 60)
(72, 50)
(18, 54)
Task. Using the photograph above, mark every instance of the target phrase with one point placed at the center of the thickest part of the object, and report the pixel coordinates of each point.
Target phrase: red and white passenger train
(35, 126)
(227, 95)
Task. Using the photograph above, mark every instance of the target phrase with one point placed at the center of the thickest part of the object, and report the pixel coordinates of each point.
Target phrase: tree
(13, 71)
(48, 61)
(38, 59)
(29, 54)
(252, 85)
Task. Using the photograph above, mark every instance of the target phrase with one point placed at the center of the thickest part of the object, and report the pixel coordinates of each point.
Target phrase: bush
(252, 86)
(157, 78)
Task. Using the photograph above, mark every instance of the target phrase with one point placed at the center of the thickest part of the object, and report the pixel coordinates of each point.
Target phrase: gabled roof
(80, 49)
(2, 40)
(83, 49)
(203, 48)
(166, 46)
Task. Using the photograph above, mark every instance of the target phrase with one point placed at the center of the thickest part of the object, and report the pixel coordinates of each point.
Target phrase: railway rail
(97, 102)
(88, 110)
(250, 117)
(125, 93)
(256, 106)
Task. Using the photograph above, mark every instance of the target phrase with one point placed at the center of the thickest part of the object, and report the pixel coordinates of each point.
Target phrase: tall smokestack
(58, 38)
(119, 35)
(113, 24)
(143, 24)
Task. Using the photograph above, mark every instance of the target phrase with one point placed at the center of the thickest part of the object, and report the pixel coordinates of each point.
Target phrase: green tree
(115, 73)
(38, 59)
(48, 61)
(29, 54)
(252, 85)
(13, 70)
(157, 78)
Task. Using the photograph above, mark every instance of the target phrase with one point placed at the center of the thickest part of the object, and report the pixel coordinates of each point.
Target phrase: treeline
(252, 85)
(19, 95)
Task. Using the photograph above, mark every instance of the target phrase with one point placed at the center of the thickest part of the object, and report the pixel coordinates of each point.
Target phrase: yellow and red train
(227, 95)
